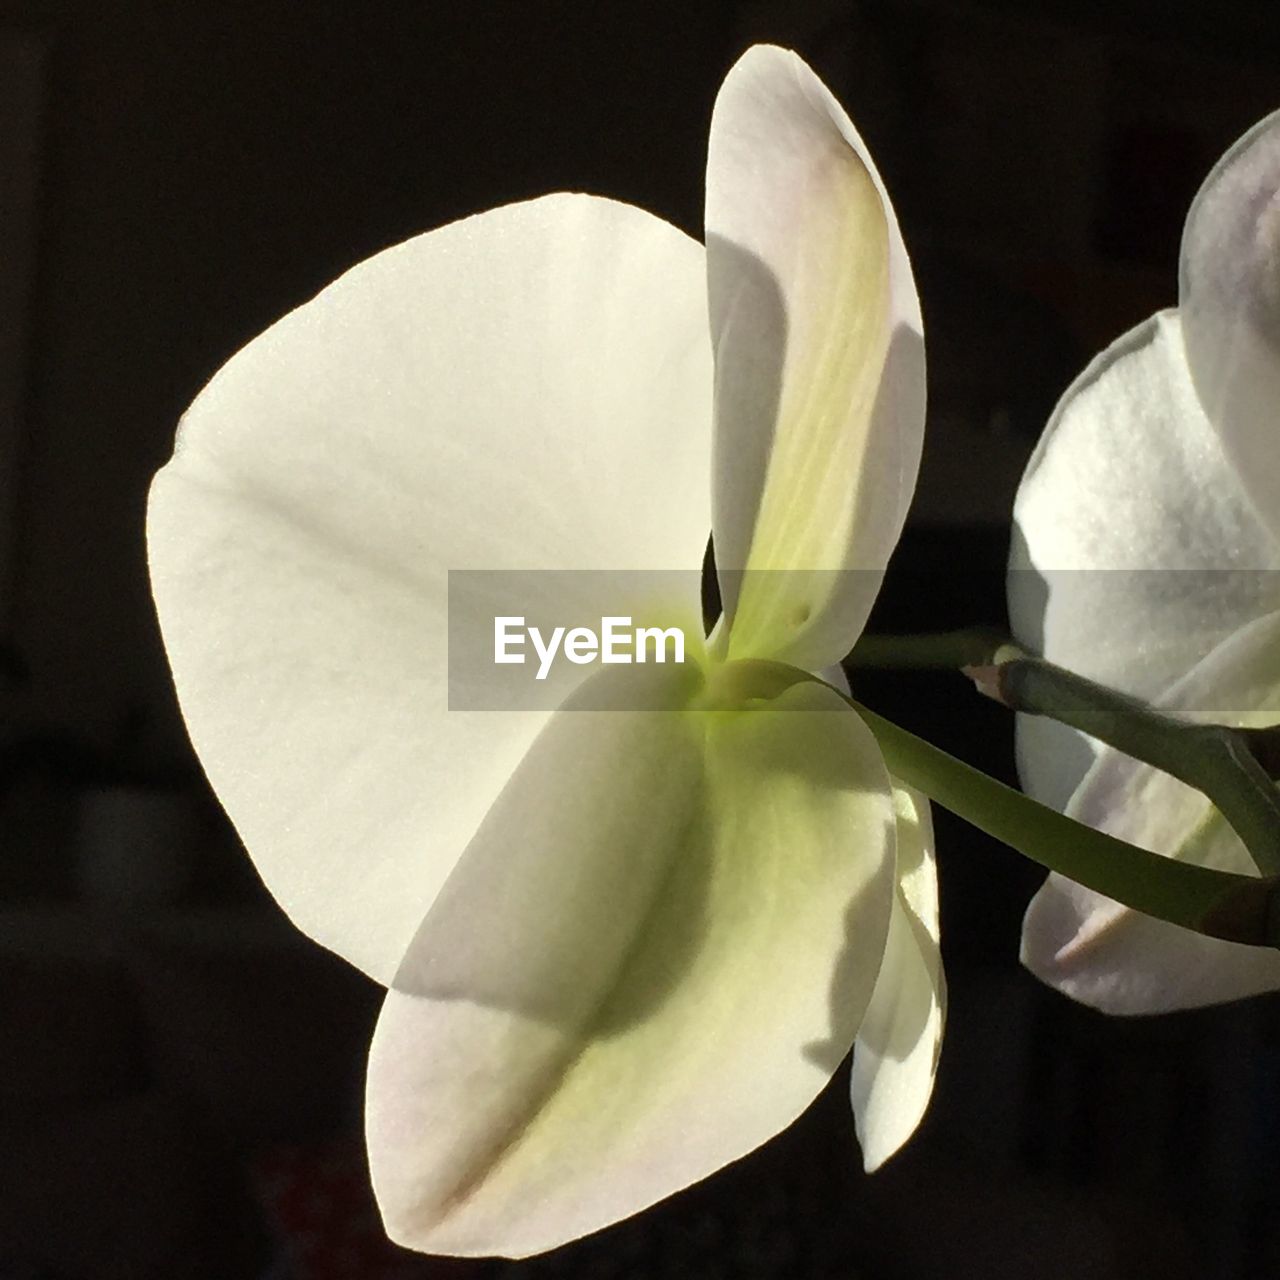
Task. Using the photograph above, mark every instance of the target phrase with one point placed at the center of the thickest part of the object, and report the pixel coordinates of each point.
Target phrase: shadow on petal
(749, 327)
(537, 1081)
(906, 1031)
(576, 860)
(888, 476)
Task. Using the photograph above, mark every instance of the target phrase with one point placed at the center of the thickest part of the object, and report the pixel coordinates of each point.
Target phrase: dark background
(179, 1071)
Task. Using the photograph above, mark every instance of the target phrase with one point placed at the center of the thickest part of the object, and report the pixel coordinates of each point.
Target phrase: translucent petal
(528, 389)
(1119, 960)
(654, 954)
(1135, 548)
(895, 1056)
(819, 364)
(1229, 298)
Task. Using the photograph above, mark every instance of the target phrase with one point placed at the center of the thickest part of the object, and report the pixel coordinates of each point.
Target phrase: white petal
(1229, 297)
(524, 390)
(1052, 758)
(819, 364)
(1119, 960)
(1135, 549)
(653, 956)
(895, 1056)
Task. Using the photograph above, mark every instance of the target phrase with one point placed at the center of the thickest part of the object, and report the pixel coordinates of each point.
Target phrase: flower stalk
(942, 650)
(1216, 759)
(1234, 768)
(1219, 903)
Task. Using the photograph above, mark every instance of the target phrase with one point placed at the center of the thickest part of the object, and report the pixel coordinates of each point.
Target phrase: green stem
(1213, 758)
(1238, 908)
(947, 650)
(1233, 767)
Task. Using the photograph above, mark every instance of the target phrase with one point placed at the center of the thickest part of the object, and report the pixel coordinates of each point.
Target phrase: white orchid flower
(621, 949)
(1147, 553)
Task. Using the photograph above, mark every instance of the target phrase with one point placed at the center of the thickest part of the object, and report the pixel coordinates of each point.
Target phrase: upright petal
(1229, 297)
(525, 390)
(1135, 549)
(652, 957)
(819, 364)
(895, 1056)
(1121, 961)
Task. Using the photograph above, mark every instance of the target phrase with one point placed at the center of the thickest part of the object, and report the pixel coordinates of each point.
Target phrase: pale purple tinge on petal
(1116, 959)
(819, 364)
(895, 1056)
(1229, 298)
(527, 389)
(1135, 548)
(1121, 962)
(675, 957)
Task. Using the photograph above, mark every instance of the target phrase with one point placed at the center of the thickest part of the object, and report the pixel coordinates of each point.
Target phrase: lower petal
(652, 957)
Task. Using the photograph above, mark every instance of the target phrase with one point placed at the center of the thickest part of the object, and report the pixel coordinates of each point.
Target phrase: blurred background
(180, 1072)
